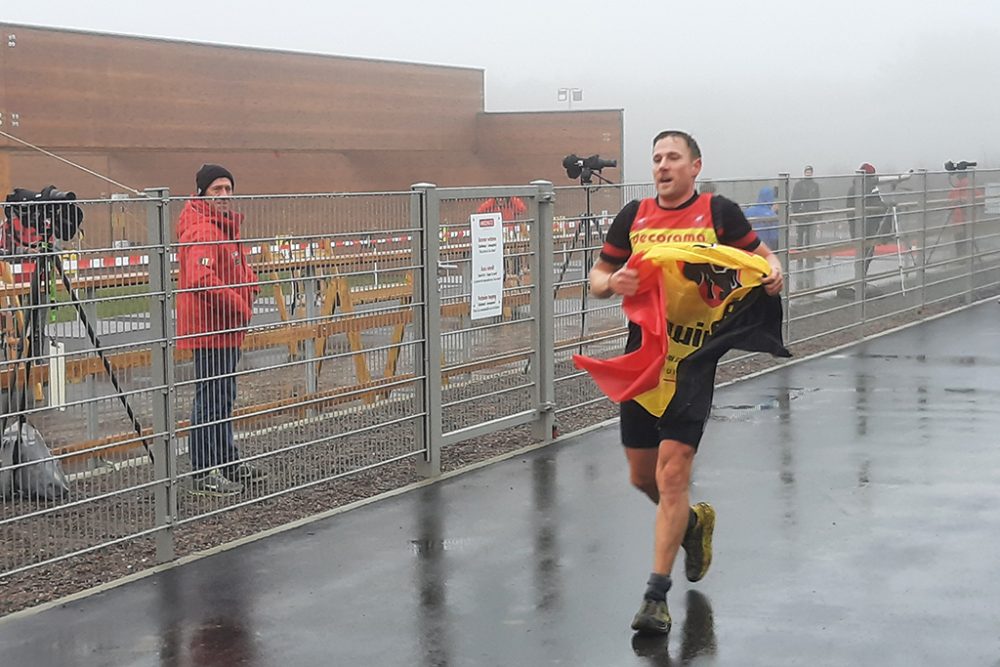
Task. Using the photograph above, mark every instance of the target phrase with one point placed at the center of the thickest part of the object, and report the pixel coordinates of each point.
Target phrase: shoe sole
(708, 527)
(648, 626)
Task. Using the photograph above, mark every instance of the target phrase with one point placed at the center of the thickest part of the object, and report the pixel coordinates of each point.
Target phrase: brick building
(147, 112)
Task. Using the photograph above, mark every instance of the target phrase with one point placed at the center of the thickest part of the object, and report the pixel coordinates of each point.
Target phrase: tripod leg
(13, 346)
(23, 347)
(92, 335)
(929, 254)
(25, 350)
(39, 289)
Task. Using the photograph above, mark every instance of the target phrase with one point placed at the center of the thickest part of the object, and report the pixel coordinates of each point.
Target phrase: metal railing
(367, 349)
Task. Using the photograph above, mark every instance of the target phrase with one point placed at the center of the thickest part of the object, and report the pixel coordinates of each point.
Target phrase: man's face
(674, 171)
(808, 172)
(220, 187)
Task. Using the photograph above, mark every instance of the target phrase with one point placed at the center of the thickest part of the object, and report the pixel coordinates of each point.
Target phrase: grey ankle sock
(657, 586)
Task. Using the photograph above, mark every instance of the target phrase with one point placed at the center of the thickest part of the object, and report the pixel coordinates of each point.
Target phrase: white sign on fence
(993, 198)
(487, 265)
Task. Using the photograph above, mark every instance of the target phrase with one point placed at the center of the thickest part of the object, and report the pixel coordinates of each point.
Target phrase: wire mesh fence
(489, 337)
(316, 381)
(360, 331)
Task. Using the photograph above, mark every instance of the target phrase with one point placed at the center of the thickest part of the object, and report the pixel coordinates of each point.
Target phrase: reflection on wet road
(858, 514)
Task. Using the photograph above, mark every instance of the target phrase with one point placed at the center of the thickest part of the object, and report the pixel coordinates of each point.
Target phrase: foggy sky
(765, 87)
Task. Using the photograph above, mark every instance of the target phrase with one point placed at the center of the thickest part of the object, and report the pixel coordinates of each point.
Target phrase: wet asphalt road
(859, 524)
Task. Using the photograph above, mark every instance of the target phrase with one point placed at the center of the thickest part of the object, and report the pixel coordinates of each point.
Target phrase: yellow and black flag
(695, 303)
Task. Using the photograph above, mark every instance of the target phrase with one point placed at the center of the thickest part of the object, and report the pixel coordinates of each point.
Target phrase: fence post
(309, 289)
(426, 221)
(785, 253)
(970, 221)
(161, 330)
(860, 266)
(543, 310)
(923, 239)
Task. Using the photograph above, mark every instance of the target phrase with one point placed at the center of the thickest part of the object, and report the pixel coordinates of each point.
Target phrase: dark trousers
(804, 230)
(211, 443)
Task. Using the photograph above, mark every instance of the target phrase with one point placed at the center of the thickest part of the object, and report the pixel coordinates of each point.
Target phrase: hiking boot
(698, 543)
(653, 617)
(214, 483)
(247, 473)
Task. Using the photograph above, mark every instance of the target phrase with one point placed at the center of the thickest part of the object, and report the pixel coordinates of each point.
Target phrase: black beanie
(207, 175)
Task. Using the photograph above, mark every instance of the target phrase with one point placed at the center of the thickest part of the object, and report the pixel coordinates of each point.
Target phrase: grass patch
(137, 304)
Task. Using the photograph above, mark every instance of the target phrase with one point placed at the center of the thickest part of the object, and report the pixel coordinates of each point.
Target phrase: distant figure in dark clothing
(805, 206)
(872, 206)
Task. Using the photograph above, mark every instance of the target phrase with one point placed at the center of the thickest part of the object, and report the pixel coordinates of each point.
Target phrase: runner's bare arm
(774, 282)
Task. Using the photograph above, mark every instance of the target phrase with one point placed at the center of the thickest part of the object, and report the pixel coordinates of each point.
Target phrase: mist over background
(765, 87)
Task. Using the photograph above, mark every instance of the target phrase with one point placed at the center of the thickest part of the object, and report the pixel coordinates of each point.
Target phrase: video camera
(584, 168)
(33, 218)
(958, 166)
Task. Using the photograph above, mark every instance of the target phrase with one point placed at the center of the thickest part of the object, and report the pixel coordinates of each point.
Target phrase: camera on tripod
(586, 168)
(33, 222)
(958, 166)
(32, 219)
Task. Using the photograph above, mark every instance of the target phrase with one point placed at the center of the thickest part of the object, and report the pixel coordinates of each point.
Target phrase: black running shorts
(641, 430)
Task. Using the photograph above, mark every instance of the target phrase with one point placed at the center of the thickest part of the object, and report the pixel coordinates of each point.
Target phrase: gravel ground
(310, 463)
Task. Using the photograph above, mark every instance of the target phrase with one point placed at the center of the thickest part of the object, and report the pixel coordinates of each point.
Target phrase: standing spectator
(763, 216)
(216, 290)
(872, 204)
(805, 206)
(961, 199)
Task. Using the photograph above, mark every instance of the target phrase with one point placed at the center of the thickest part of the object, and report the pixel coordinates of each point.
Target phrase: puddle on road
(771, 401)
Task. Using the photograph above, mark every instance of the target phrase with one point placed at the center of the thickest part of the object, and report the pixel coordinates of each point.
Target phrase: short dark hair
(688, 139)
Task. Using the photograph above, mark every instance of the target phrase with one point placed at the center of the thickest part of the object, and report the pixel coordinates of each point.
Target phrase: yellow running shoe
(698, 543)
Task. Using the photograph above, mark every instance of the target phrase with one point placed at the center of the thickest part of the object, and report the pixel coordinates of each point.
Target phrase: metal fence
(368, 346)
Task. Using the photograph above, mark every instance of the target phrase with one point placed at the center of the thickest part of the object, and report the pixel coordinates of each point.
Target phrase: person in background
(509, 208)
(763, 216)
(216, 291)
(805, 206)
(874, 207)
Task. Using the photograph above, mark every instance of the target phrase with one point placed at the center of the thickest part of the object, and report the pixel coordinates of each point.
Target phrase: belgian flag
(695, 303)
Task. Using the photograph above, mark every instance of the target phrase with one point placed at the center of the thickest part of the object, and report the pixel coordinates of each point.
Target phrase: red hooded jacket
(216, 286)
